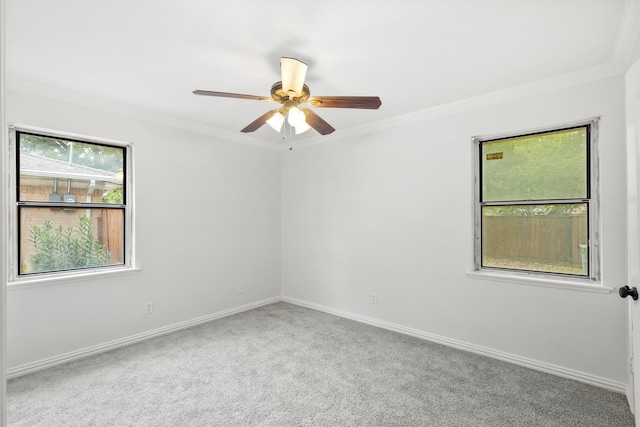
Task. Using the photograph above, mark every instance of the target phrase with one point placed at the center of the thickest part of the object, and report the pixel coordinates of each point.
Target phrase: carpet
(285, 365)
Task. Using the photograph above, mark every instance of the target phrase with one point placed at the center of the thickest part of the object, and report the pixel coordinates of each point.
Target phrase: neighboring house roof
(38, 166)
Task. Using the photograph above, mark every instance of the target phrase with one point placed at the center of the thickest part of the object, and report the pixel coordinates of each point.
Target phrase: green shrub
(59, 248)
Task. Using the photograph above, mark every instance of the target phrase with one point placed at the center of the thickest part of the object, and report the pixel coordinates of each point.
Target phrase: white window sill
(526, 279)
(66, 277)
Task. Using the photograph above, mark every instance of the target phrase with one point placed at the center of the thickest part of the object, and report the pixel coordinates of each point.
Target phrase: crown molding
(628, 37)
(121, 109)
(623, 58)
(481, 101)
(563, 81)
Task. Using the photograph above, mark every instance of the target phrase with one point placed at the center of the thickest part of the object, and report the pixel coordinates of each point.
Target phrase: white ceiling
(145, 57)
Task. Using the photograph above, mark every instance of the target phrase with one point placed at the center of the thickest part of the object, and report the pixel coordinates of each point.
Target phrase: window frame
(15, 279)
(593, 212)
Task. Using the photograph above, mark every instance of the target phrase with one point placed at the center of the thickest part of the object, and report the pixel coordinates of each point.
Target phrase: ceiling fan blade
(232, 95)
(363, 102)
(257, 123)
(293, 74)
(317, 122)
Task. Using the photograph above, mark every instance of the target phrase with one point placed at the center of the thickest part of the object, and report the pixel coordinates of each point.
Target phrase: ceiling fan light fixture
(295, 117)
(302, 128)
(276, 121)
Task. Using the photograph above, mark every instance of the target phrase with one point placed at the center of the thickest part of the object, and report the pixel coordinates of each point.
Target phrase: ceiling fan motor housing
(279, 95)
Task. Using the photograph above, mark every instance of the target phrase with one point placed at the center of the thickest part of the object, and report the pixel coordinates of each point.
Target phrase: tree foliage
(542, 167)
(114, 196)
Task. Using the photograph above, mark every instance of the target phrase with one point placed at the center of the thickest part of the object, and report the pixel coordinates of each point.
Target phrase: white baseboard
(548, 368)
(484, 351)
(133, 339)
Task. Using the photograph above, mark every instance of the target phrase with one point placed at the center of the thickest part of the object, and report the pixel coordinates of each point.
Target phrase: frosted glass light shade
(276, 121)
(302, 127)
(295, 116)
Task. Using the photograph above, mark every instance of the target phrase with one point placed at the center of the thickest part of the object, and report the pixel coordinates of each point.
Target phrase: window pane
(54, 239)
(548, 238)
(58, 170)
(544, 166)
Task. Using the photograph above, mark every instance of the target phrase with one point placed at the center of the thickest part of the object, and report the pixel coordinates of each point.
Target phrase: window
(72, 203)
(536, 202)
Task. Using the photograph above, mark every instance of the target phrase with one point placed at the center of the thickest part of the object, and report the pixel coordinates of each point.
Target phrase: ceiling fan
(291, 92)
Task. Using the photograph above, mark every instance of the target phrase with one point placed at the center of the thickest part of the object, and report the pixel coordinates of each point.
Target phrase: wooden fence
(543, 238)
(111, 233)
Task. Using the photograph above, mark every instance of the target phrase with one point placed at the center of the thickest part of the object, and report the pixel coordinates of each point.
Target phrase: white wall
(391, 212)
(207, 220)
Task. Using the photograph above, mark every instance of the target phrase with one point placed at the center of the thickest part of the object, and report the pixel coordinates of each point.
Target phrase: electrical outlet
(148, 308)
(374, 298)
(240, 289)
